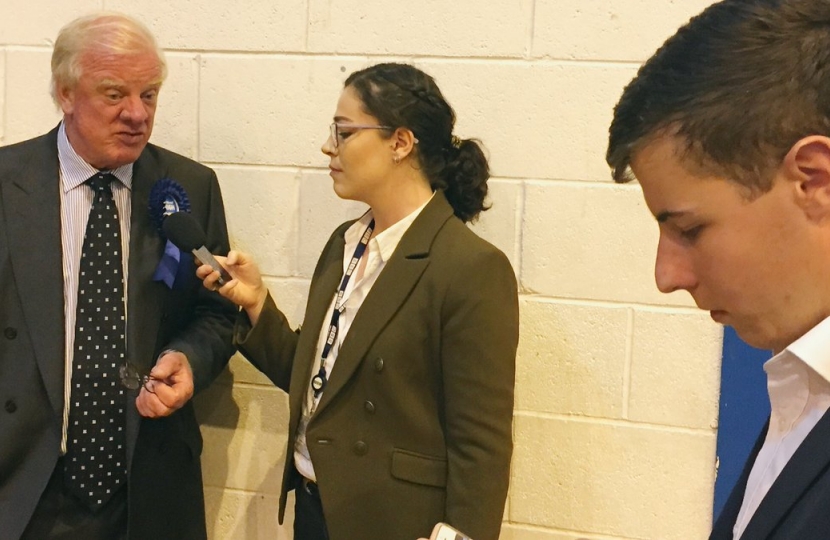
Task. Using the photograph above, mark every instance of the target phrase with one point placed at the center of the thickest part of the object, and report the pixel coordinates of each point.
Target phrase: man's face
(755, 264)
(109, 114)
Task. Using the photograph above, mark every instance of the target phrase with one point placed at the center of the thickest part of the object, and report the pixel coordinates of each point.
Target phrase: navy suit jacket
(165, 487)
(797, 505)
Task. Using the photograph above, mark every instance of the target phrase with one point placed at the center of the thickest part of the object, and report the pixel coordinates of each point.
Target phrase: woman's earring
(396, 158)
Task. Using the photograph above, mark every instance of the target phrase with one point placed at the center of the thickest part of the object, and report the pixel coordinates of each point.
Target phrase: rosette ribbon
(168, 197)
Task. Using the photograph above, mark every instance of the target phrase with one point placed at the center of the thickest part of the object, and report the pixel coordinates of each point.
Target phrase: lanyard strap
(319, 381)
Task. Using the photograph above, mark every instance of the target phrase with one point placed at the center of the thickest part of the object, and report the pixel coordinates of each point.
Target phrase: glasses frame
(334, 130)
(132, 379)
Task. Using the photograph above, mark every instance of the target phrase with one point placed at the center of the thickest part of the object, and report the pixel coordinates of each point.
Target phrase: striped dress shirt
(76, 202)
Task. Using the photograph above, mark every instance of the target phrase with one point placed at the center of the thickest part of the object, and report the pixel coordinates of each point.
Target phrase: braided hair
(401, 95)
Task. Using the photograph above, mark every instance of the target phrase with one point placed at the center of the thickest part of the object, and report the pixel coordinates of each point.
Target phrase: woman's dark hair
(401, 95)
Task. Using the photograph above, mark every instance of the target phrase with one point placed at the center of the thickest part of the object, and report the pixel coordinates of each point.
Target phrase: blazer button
(379, 365)
(11, 406)
(10, 333)
(369, 406)
(360, 448)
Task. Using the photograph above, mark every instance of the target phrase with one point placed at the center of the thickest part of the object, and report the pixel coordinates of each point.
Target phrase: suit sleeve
(207, 338)
(478, 355)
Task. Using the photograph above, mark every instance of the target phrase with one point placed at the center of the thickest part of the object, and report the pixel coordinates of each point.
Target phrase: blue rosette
(168, 197)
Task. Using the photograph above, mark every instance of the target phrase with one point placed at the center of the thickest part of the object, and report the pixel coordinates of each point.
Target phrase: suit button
(360, 448)
(10, 333)
(11, 406)
(369, 406)
(379, 365)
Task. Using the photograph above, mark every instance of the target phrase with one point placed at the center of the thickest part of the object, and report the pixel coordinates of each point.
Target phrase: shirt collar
(387, 241)
(75, 170)
(813, 348)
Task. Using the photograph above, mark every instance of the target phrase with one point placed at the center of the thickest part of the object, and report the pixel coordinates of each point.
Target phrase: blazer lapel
(391, 289)
(31, 204)
(145, 297)
(808, 462)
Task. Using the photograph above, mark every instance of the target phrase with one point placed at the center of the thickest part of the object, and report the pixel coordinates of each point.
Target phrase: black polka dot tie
(96, 459)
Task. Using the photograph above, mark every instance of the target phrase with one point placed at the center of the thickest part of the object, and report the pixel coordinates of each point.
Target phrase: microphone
(182, 229)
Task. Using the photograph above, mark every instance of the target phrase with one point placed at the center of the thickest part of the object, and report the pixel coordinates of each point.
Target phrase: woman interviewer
(401, 381)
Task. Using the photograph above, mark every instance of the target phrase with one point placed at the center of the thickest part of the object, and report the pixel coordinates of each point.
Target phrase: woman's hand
(246, 289)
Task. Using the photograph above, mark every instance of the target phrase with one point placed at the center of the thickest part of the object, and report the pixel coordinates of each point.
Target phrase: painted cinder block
(229, 25)
(261, 208)
(571, 358)
(498, 28)
(176, 121)
(612, 479)
(37, 22)
(501, 223)
(30, 110)
(239, 515)
(2, 96)
(269, 109)
(675, 369)
(621, 30)
(245, 430)
(321, 211)
(545, 120)
(591, 241)
(524, 532)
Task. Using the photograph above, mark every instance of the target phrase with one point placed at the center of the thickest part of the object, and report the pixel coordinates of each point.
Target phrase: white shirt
(798, 381)
(378, 251)
(76, 202)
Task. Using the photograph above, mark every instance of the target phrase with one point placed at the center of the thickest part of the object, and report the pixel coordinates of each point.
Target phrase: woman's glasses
(339, 132)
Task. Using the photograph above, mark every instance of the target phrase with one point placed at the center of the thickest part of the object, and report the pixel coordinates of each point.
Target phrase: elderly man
(100, 354)
(727, 129)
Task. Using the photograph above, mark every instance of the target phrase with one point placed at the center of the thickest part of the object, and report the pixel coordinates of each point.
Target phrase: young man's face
(754, 264)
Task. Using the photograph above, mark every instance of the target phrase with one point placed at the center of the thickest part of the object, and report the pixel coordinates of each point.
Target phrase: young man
(727, 129)
(84, 452)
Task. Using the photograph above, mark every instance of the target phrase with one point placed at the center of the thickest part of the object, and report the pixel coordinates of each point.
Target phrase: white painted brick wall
(628, 30)
(617, 385)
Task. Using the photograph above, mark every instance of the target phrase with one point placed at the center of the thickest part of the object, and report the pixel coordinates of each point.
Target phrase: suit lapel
(389, 292)
(145, 297)
(722, 530)
(31, 204)
(808, 462)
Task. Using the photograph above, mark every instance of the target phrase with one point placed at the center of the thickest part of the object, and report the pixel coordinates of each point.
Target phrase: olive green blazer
(415, 424)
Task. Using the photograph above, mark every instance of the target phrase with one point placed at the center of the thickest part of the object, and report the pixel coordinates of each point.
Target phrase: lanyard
(319, 381)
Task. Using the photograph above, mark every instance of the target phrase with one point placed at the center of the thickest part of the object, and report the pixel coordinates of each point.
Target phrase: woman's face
(361, 156)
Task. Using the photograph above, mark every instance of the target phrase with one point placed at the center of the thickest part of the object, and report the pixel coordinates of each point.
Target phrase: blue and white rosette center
(167, 197)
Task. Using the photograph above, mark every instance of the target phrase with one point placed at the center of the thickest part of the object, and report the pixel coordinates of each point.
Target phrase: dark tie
(96, 457)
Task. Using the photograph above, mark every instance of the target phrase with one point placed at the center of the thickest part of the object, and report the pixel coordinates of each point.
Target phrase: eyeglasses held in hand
(131, 378)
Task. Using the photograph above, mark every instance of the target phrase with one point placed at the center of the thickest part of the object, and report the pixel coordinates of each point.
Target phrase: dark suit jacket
(415, 424)
(165, 488)
(797, 505)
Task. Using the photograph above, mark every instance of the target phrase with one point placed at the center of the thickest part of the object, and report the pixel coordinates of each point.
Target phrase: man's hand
(169, 388)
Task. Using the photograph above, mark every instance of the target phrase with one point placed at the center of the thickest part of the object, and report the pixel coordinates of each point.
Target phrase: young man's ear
(807, 165)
